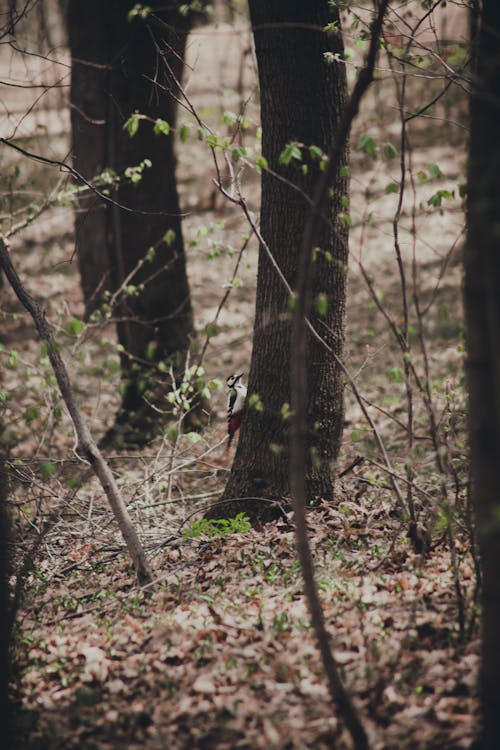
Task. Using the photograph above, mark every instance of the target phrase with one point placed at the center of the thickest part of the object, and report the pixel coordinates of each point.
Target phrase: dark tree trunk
(5, 609)
(302, 98)
(482, 302)
(122, 66)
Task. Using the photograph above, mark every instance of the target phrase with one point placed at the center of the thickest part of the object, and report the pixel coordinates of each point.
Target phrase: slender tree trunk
(86, 443)
(121, 66)
(482, 302)
(302, 99)
(5, 607)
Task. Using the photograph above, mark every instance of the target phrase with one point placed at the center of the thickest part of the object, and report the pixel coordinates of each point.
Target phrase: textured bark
(482, 302)
(302, 99)
(121, 66)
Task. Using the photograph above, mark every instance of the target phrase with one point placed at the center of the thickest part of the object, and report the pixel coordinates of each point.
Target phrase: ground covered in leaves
(220, 653)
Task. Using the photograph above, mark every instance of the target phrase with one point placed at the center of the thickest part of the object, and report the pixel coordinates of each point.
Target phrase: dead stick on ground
(86, 444)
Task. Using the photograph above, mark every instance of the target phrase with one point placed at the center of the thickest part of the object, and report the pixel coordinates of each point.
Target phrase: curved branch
(86, 444)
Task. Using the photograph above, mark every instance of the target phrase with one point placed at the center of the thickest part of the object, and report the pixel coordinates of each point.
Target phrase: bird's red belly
(234, 423)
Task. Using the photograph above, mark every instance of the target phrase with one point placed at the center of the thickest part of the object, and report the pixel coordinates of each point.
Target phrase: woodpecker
(235, 405)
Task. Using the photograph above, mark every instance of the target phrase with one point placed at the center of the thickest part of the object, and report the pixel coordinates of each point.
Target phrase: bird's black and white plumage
(235, 405)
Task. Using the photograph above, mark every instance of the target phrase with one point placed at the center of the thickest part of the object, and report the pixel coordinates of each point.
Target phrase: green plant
(220, 527)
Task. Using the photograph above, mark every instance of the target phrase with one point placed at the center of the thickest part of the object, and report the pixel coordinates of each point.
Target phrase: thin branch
(298, 377)
(86, 443)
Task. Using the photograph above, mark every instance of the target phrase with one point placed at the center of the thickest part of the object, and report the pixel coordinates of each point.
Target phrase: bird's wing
(231, 399)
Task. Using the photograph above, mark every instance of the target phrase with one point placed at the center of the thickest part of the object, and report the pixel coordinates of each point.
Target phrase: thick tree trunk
(482, 302)
(302, 98)
(122, 66)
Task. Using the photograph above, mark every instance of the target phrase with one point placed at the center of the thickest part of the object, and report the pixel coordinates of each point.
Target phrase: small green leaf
(367, 145)
(392, 187)
(390, 151)
(161, 127)
(442, 195)
(169, 237)
(291, 151)
(395, 374)
(48, 469)
(184, 133)
(286, 411)
(435, 172)
(212, 329)
(321, 305)
(261, 164)
(31, 413)
(254, 402)
(238, 152)
(132, 124)
(75, 326)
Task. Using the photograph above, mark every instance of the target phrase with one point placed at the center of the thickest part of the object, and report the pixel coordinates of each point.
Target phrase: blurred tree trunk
(5, 608)
(482, 302)
(302, 98)
(120, 66)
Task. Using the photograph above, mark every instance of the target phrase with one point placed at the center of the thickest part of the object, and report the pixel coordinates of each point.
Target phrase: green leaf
(212, 329)
(392, 187)
(261, 164)
(150, 351)
(169, 237)
(286, 411)
(367, 145)
(238, 152)
(48, 469)
(75, 326)
(435, 172)
(31, 413)
(395, 374)
(321, 305)
(390, 151)
(183, 133)
(316, 152)
(442, 195)
(142, 11)
(291, 151)
(161, 127)
(254, 402)
(132, 124)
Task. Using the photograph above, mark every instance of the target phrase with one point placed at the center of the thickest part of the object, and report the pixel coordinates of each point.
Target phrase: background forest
(153, 590)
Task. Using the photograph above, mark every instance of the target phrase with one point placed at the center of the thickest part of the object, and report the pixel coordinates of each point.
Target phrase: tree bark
(302, 99)
(482, 303)
(5, 607)
(122, 66)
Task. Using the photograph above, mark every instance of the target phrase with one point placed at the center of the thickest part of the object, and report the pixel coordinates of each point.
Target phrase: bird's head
(233, 379)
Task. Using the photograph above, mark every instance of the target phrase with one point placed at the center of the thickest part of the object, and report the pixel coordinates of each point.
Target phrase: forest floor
(220, 654)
